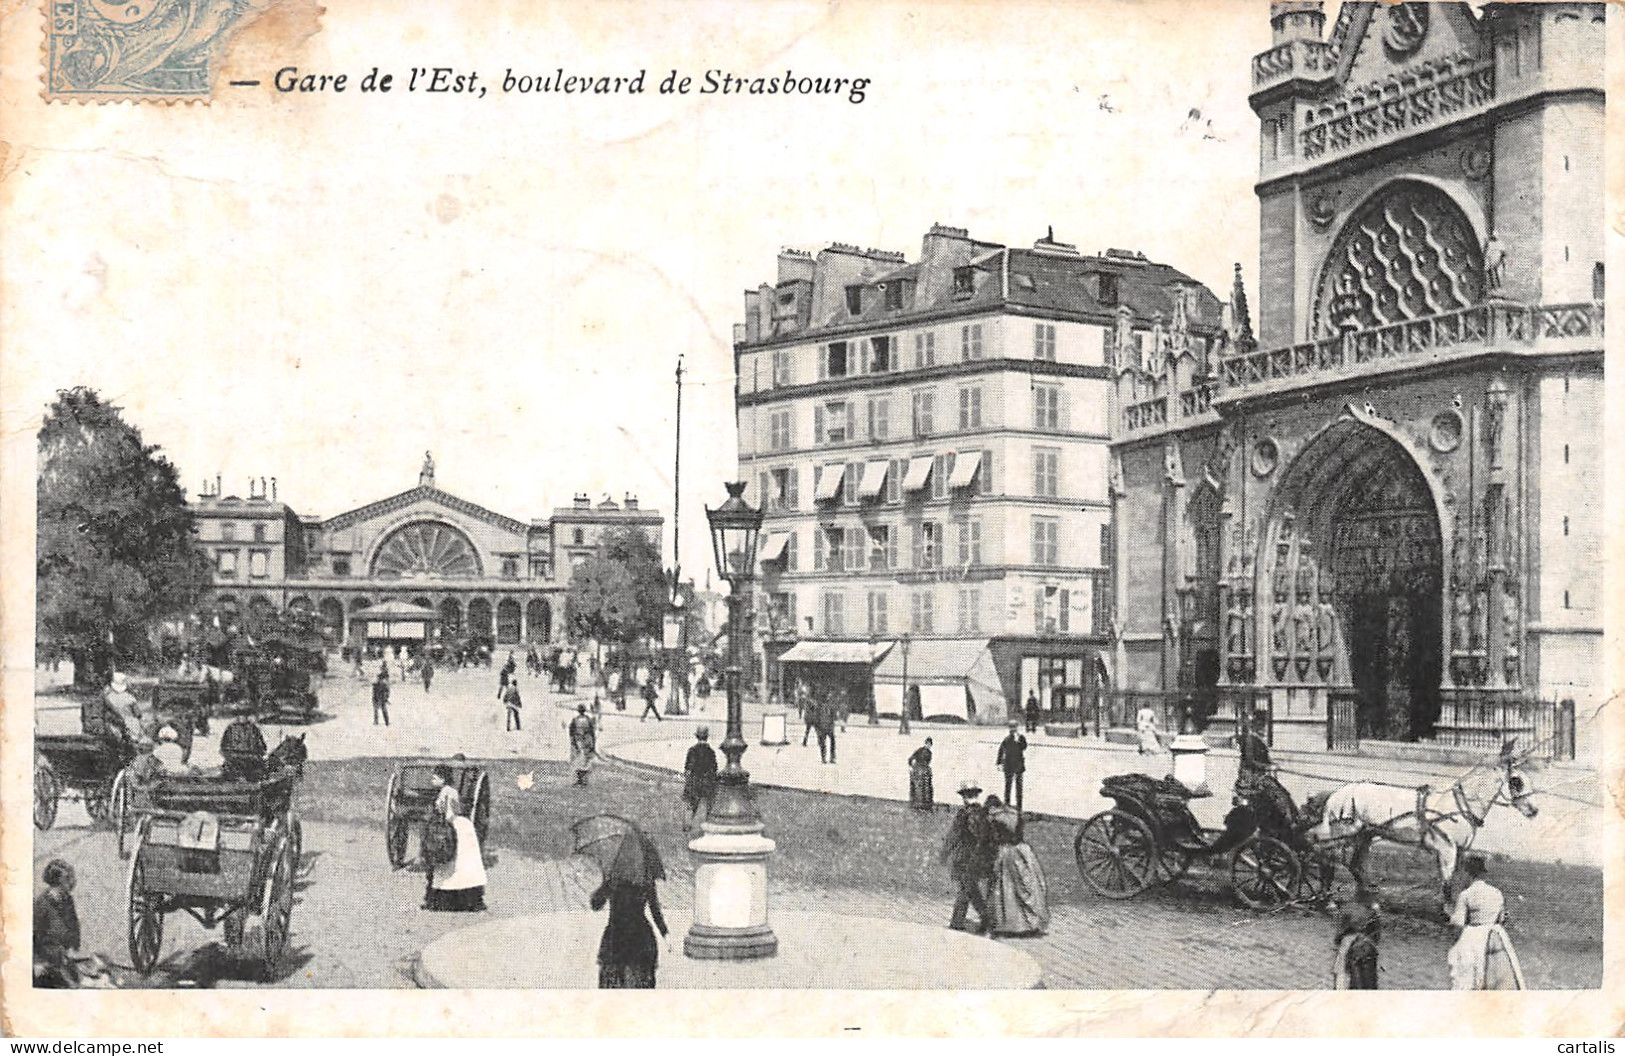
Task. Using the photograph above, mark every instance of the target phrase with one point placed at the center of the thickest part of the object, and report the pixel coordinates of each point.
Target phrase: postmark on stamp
(139, 49)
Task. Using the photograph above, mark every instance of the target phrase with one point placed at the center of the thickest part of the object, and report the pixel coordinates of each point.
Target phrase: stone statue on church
(1461, 623)
(1495, 264)
(426, 474)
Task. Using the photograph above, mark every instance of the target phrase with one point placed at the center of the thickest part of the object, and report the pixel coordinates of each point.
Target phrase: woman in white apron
(458, 885)
(1483, 958)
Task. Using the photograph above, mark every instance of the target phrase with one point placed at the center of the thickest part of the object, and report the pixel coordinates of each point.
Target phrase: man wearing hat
(583, 743)
(699, 776)
(114, 717)
(1012, 759)
(168, 751)
(968, 851)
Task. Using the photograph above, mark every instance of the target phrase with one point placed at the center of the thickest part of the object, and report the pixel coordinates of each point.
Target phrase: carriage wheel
(46, 791)
(479, 812)
(1319, 875)
(1171, 864)
(1264, 872)
(121, 813)
(396, 829)
(276, 917)
(1117, 854)
(146, 918)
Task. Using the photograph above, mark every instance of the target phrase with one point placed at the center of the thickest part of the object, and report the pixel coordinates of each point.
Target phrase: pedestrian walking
(1018, 894)
(824, 726)
(1483, 957)
(506, 674)
(456, 883)
(921, 795)
(627, 954)
(699, 776)
(1034, 712)
(383, 669)
(1145, 721)
(56, 930)
(428, 673)
(804, 708)
(511, 705)
(650, 696)
(583, 743)
(967, 850)
(1012, 759)
(380, 698)
(1354, 966)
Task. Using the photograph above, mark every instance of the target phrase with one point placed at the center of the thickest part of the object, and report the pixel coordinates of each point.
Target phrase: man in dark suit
(968, 850)
(242, 750)
(1012, 759)
(699, 776)
(380, 698)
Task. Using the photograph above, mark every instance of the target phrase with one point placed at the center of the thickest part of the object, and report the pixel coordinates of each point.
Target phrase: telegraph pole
(679, 661)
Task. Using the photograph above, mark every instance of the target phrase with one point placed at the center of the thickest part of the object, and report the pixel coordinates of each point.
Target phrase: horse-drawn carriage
(276, 685)
(410, 802)
(183, 706)
(84, 765)
(219, 849)
(1151, 837)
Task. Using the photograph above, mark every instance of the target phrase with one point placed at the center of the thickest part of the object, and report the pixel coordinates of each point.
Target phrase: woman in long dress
(1483, 957)
(1018, 898)
(628, 954)
(457, 886)
(921, 794)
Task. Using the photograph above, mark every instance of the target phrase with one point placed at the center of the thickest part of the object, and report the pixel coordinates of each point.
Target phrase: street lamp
(730, 876)
(902, 719)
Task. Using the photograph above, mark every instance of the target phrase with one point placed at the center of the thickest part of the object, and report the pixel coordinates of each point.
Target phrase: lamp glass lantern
(735, 527)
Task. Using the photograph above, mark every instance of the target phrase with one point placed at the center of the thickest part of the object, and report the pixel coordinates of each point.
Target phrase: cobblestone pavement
(358, 923)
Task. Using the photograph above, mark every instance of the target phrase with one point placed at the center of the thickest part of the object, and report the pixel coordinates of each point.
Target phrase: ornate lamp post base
(730, 897)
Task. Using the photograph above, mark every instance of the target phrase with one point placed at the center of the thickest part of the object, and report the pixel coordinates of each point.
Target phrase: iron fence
(1488, 720)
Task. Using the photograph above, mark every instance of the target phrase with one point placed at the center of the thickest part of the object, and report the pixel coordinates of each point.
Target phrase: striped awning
(829, 482)
(919, 472)
(965, 466)
(874, 479)
(774, 548)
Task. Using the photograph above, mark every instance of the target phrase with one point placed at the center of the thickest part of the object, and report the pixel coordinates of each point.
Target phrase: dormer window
(964, 281)
(787, 297)
(1108, 289)
(854, 300)
(894, 296)
(835, 360)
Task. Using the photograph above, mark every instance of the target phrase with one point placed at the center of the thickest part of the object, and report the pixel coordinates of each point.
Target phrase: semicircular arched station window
(426, 548)
(1409, 253)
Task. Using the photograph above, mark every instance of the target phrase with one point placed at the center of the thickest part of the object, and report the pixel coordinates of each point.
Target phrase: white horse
(1443, 821)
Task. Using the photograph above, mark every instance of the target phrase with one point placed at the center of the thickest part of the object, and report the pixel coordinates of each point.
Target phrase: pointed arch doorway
(1352, 578)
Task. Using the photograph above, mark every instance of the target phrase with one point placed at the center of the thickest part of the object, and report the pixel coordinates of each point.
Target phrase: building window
(850, 483)
(781, 367)
(510, 568)
(1046, 536)
(922, 612)
(941, 470)
(925, 411)
(970, 342)
(341, 566)
(894, 296)
(984, 473)
(882, 548)
(781, 609)
(894, 480)
(1044, 342)
(834, 424)
(833, 361)
(1108, 290)
(882, 355)
(854, 300)
(1046, 472)
(925, 350)
(970, 407)
(780, 435)
(970, 609)
(964, 281)
(784, 488)
(970, 542)
(259, 564)
(879, 418)
(877, 612)
(790, 550)
(228, 531)
(228, 564)
(580, 537)
(259, 533)
(1047, 407)
(540, 568)
(854, 552)
(834, 614)
(927, 545)
(826, 549)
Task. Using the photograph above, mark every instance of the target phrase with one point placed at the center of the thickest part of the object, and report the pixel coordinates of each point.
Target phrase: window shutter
(891, 548)
(818, 426)
(863, 356)
(919, 545)
(1066, 409)
(823, 362)
(763, 494)
(1038, 610)
(987, 472)
(792, 499)
(851, 421)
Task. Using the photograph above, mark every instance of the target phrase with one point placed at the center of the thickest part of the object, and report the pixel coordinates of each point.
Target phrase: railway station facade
(1391, 496)
(475, 572)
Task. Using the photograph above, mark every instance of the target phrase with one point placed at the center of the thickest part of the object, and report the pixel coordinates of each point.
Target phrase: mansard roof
(423, 493)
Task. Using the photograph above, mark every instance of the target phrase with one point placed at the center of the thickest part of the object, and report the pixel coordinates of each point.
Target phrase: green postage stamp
(139, 49)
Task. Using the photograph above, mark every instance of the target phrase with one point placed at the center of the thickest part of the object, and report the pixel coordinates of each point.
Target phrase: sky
(319, 288)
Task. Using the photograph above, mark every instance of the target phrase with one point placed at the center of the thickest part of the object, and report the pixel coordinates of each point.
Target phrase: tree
(619, 594)
(115, 550)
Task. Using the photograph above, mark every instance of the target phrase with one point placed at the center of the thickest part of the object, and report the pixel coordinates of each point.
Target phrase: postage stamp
(134, 49)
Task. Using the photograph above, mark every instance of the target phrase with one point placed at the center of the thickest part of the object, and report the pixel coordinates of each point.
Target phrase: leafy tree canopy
(620, 593)
(115, 548)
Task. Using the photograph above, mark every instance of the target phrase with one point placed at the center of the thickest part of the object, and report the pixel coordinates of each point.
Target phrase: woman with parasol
(627, 954)
(457, 883)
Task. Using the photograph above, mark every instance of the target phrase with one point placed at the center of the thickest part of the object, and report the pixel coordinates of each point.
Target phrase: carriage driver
(1255, 783)
(242, 750)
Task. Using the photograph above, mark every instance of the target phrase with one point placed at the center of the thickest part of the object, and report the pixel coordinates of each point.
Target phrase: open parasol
(622, 851)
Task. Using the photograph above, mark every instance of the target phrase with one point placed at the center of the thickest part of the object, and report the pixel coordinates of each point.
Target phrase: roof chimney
(1297, 20)
(631, 501)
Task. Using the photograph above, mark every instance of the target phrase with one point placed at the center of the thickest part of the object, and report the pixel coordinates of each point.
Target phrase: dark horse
(289, 754)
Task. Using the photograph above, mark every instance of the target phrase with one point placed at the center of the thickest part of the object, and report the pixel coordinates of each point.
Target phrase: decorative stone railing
(1154, 413)
(1147, 414)
(1295, 58)
(1197, 399)
(1425, 95)
(1464, 331)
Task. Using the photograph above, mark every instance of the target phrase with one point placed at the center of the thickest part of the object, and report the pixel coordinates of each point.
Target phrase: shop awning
(836, 653)
(829, 482)
(774, 548)
(395, 610)
(874, 479)
(965, 466)
(919, 471)
(945, 670)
